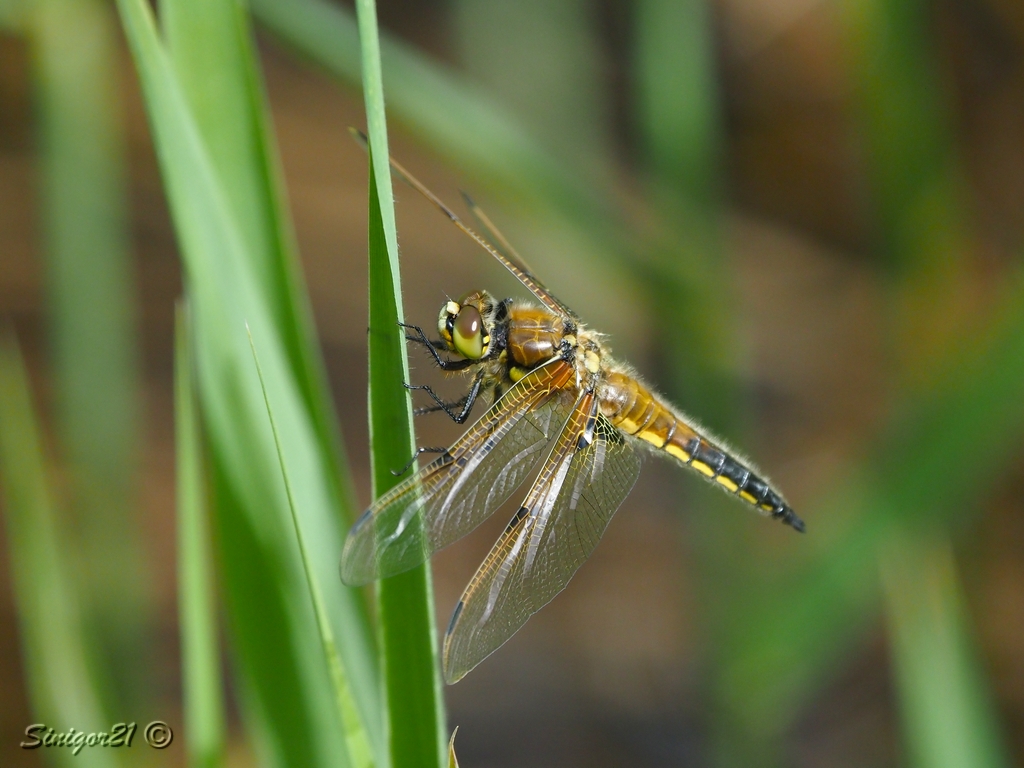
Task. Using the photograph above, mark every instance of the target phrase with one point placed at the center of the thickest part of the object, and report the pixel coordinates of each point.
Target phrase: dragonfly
(558, 399)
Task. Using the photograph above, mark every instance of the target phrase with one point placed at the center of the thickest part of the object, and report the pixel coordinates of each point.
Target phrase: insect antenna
(522, 273)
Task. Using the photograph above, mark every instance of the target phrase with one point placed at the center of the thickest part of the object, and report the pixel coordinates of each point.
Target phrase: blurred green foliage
(202, 687)
(276, 491)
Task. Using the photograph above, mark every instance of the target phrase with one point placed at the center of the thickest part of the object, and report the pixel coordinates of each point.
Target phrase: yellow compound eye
(467, 334)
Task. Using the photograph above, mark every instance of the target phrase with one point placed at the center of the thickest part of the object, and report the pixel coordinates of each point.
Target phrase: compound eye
(467, 333)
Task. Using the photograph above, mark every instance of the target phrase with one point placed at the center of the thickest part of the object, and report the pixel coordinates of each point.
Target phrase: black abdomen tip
(790, 518)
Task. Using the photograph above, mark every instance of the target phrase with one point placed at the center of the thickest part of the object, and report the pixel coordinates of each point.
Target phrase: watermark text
(157, 734)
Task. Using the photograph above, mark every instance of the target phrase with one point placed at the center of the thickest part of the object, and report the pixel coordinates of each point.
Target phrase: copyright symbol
(158, 734)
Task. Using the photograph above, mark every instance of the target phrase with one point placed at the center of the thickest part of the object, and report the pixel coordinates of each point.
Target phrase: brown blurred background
(614, 671)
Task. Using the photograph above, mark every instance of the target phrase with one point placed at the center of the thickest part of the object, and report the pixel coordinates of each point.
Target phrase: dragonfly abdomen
(632, 408)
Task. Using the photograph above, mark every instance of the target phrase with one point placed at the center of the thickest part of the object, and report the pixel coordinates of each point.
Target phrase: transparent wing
(456, 492)
(589, 472)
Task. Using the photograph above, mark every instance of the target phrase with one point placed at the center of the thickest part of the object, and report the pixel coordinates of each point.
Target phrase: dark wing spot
(523, 512)
(454, 618)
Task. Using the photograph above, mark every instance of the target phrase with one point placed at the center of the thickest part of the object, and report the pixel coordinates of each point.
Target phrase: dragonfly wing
(589, 472)
(456, 492)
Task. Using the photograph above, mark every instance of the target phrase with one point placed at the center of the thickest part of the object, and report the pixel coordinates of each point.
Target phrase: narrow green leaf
(949, 718)
(61, 685)
(677, 97)
(677, 117)
(91, 300)
(906, 129)
(406, 607)
(359, 752)
(287, 691)
(200, 655)
(207, 36)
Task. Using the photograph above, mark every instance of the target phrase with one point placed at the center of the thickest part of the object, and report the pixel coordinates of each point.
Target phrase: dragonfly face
(558, 395)
(466, 325)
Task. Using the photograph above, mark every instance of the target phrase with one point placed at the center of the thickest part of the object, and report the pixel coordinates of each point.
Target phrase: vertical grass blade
(200, 651)
(288, 698)
(231, 112)
(61, 684)
(948, 714)
(679, 128)
(90, 297)
(677, 97)
(359, 752)
(406, 607)
(917, 184)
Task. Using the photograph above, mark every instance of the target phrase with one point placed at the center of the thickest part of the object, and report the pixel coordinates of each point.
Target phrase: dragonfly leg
(434, 347)
(419, 452)
(435, 408)
(465, 402)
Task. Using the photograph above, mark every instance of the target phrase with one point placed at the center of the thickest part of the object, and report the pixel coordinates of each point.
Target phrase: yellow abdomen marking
(679, 453)
(703, 468)
(728, 484)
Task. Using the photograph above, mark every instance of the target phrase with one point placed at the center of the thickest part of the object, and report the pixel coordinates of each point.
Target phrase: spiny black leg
(435, 408)
(466, 402)
(415, 456)
(433, 347)
(421, 338)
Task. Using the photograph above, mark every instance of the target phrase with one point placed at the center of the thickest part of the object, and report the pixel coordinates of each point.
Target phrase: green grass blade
(91, 299)
(200, 652)
(949, 718)
(905, 129)
(677, 98)
(359, 751)
(214, 36)
(207, 36)
(415, 709)
(917, 183)
(677, 118)
(61, 685)
(287, 688)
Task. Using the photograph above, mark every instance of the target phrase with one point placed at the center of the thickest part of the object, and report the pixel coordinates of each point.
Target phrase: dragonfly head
(466, 325)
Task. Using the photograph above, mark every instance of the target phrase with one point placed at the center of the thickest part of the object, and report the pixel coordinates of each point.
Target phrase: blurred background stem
(93, 331)
(62, 681)
(948, 715)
